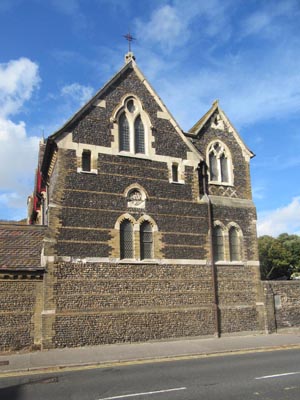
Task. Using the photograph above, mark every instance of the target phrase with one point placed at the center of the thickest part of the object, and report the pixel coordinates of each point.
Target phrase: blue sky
(56, 54)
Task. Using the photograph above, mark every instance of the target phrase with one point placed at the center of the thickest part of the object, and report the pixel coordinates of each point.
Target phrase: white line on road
(143, 394)
(278, 375)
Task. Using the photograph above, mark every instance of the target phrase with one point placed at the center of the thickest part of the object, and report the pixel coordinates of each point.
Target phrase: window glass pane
(218, 244)
(86, 160)
(175, 173)
(146, 240)
(234, 245)
(124, 133)
(213, 167)
(126, 239)
(224, 168)
(139, 136)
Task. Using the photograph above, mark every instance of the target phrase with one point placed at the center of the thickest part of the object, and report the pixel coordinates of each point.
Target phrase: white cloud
(170, 25)
(76, 93)
(165, 26)
(249, 90)
(284, 219)
(18, 151)
(18, 79)
(252, 83)
(267, 22)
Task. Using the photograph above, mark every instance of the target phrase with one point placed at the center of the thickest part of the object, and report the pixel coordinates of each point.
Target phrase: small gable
(226, 155)
(216, 125)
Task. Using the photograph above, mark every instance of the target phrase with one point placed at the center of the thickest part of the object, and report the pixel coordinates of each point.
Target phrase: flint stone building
(137, 230)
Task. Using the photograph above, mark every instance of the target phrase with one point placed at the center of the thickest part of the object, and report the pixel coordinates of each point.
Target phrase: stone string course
(85, 303)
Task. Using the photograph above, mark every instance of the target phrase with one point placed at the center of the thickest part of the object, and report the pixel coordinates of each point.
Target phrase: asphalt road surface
(262, 376)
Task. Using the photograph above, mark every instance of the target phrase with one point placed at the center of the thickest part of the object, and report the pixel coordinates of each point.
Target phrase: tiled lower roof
(20, 246)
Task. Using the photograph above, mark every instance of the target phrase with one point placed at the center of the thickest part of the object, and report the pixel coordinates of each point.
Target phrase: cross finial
(129, 38)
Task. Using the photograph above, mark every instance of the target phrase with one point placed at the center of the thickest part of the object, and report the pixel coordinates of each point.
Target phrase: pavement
(154, 351)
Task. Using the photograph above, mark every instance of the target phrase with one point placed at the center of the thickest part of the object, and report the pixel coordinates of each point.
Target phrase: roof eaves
(164, 107)
(250, 153)
(91, 101)
(202, 121)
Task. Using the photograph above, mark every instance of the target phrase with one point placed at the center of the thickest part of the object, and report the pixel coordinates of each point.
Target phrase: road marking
(142, 394)
(278, 375)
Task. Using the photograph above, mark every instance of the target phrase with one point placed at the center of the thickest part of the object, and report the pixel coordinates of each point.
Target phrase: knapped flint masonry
(144, 231)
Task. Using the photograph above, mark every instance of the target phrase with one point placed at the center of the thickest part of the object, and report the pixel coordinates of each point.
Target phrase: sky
(56, 54)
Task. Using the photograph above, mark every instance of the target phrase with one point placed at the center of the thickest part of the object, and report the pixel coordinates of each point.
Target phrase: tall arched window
(234, 244)
(213, 166)
(134, 127)
(126, 239)
(124, 138)
(146, 240)
(139, 136)
(224, 168)
(219, 163)
(218, 243)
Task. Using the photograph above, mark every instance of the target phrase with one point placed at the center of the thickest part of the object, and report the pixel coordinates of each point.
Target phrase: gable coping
(196, 129)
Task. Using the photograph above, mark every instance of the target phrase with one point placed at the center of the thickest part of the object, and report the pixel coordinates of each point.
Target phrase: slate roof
(20, 246)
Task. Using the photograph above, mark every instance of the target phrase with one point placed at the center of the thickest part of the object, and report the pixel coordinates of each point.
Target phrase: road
(262, 376)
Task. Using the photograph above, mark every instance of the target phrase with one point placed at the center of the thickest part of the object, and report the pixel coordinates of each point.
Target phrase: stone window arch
(136, 196)
(219, 163)
(138, 239)
(132, 128)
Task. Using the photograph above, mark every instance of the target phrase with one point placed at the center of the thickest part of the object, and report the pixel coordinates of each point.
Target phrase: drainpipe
(202, 169)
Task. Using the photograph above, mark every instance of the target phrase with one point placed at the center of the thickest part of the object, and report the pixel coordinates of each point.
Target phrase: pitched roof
(20, 246)
(197, 128)
(202, 121)
(130, 64)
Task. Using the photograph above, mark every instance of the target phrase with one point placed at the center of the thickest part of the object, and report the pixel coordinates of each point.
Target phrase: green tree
(275, 258)
(292, 244)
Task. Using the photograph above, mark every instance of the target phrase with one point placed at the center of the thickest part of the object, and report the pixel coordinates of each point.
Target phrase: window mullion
(131, 135)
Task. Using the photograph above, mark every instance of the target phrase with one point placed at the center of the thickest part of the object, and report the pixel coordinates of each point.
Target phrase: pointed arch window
(234, 244)
(139, 136)
(134, 127)
(219, 164)
(146, 240)
(126, 240)
(213, 166)
(218, 243)
(124, 136)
